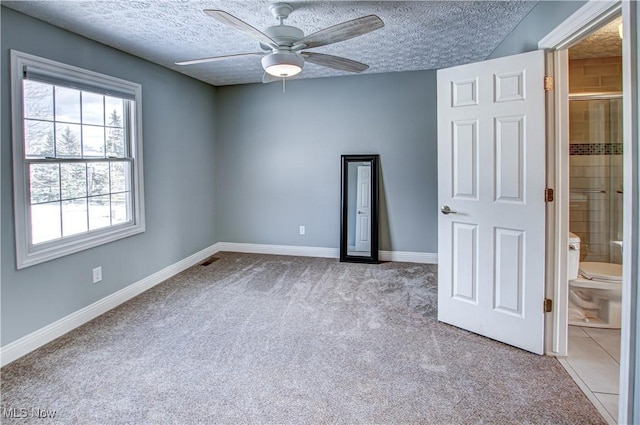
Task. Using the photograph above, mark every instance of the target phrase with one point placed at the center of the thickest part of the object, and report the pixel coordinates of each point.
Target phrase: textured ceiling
(603, 43)
(418, 35)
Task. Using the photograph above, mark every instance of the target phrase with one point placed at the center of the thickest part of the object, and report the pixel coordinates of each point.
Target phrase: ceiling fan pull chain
(283, 87)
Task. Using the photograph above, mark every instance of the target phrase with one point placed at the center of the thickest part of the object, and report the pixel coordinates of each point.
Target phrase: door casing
(591, 16)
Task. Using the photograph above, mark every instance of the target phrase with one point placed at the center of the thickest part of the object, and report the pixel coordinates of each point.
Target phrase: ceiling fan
(282, 45)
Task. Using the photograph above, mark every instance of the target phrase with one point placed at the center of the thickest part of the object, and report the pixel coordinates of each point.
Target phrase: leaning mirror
(359, 206)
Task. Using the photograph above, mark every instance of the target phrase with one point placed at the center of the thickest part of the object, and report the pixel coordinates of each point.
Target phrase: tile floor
(594, 363)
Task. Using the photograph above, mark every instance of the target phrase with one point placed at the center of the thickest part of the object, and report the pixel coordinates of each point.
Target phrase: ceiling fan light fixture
(282, 64)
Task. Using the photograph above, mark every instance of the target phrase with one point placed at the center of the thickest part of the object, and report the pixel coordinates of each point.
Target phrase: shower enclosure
(595, 175)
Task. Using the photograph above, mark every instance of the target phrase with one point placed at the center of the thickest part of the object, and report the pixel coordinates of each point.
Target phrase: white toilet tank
(573, 257)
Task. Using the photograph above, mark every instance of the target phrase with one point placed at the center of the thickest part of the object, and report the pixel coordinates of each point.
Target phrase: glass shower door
(595, 170)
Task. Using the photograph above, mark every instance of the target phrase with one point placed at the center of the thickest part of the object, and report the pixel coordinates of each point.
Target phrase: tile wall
(595, 75)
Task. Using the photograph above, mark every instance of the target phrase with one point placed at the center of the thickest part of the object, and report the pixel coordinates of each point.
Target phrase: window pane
(120, 177)
(92, 108)
(74, 217)
(115, 134)
(74, 180)
(67, 105)
(38, 139)
(92, 141)
(113, 108)
(45, 183)
(98, 178)
(38, 100)
(68, 140)
(120, 208)
(115, 142)
(45, 222)
(99, 212)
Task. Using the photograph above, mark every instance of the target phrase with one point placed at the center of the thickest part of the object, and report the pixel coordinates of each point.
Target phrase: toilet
(595, 290)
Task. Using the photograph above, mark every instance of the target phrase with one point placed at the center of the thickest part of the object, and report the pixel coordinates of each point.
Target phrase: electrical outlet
(97, 274)
(302, 230)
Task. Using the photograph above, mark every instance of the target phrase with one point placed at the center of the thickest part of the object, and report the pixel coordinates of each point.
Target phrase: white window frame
(26, 253)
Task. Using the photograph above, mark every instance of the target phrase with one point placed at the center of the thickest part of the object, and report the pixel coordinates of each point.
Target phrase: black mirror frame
(344, 196)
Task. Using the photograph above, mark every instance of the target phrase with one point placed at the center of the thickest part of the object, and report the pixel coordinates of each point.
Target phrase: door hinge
(548, 194)
(548, 305)
(548, 83)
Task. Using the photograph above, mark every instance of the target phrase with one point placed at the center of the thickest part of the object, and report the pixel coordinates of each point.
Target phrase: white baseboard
(300, 251)
(28, 343)
(309, 251)
(409, 257)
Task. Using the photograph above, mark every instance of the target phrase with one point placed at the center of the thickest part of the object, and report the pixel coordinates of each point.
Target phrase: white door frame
(583, 21)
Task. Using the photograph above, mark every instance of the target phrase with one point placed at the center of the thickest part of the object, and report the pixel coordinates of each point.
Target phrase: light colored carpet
(292, 340)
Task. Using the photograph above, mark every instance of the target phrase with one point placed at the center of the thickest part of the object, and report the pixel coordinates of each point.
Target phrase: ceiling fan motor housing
(284, 35)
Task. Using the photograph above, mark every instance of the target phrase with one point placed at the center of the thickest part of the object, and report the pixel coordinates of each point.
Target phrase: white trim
(629, 371)
(556, 336)
(582, 22)
(34, 340)
(299, 251)
(309, 251)
(561, 207)
(409, 257)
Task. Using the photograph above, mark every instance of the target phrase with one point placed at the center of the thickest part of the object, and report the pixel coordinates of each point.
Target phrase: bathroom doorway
(595, 213)
(589, 18)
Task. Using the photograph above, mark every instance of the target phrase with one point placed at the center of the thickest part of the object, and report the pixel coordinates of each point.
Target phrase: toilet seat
(603, 272)
(581, 282)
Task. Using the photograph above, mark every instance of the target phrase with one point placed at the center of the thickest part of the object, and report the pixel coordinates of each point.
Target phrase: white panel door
(491, 176)
(363, 209)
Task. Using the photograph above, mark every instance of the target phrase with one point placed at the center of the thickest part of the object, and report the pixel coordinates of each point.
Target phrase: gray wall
(278, 154)
(178, 124)
(278, 158)
(539, 22)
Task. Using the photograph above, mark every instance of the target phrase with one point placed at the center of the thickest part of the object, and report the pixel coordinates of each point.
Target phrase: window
(77, 159)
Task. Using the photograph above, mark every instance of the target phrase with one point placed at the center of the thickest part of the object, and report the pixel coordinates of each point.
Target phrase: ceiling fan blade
(241, 26)
(335, 62)
(340, 32)
(218, 58)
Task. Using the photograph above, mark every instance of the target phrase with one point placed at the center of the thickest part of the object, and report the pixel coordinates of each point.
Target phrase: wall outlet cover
(97, 274)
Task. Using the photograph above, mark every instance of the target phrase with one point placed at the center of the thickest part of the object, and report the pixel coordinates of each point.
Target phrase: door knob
(446, 210)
